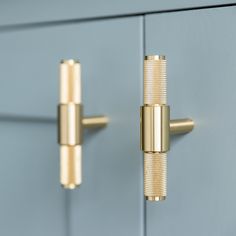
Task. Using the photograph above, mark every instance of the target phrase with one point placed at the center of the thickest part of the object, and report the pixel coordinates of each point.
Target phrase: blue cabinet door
(200, 49)
(31, 201)
(110, 200)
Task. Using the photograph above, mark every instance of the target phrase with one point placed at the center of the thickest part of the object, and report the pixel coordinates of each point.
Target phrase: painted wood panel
(200, 48)
(31, 201)
(110, 201)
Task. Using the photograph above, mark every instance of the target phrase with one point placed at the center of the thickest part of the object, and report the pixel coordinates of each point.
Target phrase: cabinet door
(200, 49)
(110, 200)
(28, 11)
(31, 202)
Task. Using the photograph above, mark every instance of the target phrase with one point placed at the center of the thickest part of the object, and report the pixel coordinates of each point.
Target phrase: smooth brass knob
(71, 123)
(156, 127)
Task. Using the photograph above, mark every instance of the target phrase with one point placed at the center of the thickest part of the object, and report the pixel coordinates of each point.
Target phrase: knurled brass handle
(71, 123)
(154, 83)
(155, 171)
(156, 127)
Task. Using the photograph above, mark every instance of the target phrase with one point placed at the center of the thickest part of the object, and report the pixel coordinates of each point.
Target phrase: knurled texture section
(155, 174)
(155, 81)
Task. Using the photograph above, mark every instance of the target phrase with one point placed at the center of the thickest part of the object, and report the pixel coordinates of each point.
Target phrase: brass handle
(156, 128)
(71, 123)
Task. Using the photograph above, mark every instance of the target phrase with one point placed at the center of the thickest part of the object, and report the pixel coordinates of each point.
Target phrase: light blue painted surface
(28, 11)
(110, 201)
(30, 61)
(31, 201)
(200, 49)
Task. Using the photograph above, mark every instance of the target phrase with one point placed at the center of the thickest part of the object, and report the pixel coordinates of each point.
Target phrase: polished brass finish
(156, 127)
(95, 121)
(71, 123)
(70, 82)
(155, 199)
(181, 126)
(71, 166)
(70, 117)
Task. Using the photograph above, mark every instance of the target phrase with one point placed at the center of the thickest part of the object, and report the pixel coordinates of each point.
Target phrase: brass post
(95, 121)
(181, 126)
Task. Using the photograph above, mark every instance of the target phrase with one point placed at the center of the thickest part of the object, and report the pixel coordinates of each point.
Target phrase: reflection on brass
(71, 123)
(95, 121)
(70, 82)
(71, 166)
(156, 127)
(181, 126)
